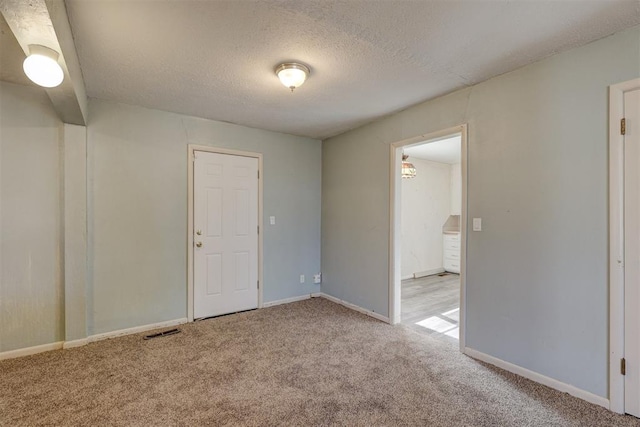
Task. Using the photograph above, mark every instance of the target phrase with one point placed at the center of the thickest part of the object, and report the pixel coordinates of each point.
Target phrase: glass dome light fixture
(42, 67)
(292, 74)
(408, 170)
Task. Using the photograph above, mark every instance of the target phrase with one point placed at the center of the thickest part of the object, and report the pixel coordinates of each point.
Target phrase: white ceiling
(215, 59)
(442, 151)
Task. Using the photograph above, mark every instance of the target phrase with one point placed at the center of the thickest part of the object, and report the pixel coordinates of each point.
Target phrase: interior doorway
(428, 196)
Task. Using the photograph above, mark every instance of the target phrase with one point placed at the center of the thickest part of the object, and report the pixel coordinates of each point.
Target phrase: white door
(632, 252)
(225, 218)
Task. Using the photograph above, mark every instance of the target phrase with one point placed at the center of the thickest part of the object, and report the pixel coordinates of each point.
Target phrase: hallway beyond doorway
(431, 305)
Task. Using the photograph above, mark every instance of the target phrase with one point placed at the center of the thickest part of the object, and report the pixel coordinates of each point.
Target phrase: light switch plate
(477, 224)
(272, 220)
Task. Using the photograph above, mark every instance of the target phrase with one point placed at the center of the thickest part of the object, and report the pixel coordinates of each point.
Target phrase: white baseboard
(28, 351)
(411, 276)
(286, 300)
(355, 307)
(539, 378)
(428, 272)
(137, 329)
(75, 343)
(83, 341)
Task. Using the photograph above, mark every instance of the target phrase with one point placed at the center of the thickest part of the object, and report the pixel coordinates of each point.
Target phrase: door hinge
(623, 366)
(258, 284)
(258, 229)
(258, 174)
(623, 126)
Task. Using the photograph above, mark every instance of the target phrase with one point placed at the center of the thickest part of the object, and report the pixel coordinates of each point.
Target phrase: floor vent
(162, 334)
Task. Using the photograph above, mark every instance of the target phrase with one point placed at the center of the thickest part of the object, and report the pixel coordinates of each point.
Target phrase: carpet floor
(308, 363)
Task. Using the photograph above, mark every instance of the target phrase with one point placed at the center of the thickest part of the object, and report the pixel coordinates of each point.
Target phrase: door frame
(395, 226)
(191, 149)
(616, 242)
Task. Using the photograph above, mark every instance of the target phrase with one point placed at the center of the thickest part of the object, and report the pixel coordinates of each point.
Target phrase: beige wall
(426, 206)
(456, 189)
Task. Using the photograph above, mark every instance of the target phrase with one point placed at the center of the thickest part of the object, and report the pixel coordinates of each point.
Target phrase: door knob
(199, 244)
(199, 232)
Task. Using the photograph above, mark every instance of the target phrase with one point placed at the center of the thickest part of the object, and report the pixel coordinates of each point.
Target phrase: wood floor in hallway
(431, 305)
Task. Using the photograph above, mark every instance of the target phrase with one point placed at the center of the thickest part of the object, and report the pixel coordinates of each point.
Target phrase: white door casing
(632, 252)
(225, 233)
(394, 222)
(624, 245)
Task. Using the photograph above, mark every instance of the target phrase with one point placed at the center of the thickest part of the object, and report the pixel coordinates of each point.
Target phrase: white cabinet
(451, 252)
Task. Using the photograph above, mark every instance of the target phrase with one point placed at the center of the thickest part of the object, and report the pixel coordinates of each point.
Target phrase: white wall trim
(191, 148)
(616, 242)
(394, 226)
(286, 301)
(75, 343)
(354, 307)
(136, 329)
(93, 338)
(28, 351)
(539, 378)
(426, 273)
(464, 171)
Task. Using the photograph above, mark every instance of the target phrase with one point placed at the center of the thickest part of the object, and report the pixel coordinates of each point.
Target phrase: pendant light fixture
(408, 170)
(42, 67)
(292, 74)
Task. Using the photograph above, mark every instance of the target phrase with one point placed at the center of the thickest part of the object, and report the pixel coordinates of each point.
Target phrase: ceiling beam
(45, 22)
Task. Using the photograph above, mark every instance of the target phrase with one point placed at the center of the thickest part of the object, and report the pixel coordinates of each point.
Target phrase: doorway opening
(428, 183)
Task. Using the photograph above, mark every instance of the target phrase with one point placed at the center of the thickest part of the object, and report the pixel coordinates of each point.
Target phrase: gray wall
(31, 284)
(137, 169)
(136, 216)
(537, 273)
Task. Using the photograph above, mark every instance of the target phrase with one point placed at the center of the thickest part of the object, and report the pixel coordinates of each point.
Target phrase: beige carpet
(307, 363)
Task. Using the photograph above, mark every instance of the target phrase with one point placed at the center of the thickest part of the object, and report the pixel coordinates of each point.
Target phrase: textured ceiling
(11, 57)
(215, 59)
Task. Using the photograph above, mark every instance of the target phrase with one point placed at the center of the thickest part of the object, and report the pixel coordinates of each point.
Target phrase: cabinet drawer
(452, 254)
(452, 265)
(452, 237)
(452, 244)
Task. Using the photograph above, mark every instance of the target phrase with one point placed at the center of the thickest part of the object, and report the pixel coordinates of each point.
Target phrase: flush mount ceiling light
(41, 66)
(292, 74)
(408, 170)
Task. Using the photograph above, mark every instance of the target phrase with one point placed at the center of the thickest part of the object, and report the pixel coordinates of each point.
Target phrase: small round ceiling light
(292, 74)
(42, 67)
